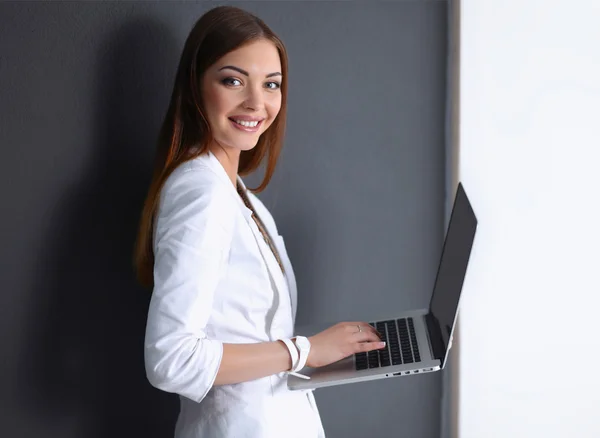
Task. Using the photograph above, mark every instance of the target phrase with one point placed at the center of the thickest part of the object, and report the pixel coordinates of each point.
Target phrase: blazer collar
(215, 165)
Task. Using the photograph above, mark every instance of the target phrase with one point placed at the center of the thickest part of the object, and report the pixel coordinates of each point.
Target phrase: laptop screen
(452, 269)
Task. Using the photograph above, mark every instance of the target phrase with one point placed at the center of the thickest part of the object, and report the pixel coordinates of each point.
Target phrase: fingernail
(383, 344)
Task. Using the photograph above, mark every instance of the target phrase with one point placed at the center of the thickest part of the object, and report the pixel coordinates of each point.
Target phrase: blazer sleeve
(193, 232)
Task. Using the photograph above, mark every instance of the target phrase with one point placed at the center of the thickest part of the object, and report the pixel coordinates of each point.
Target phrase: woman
(220, 323)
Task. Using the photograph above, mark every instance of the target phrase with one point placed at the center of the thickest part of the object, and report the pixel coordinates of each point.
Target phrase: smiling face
(242, 95)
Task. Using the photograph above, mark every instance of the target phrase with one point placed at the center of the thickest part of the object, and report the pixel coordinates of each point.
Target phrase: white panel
(529, 158)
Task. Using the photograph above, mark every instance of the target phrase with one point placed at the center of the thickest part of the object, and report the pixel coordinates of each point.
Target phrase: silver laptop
(418, 341)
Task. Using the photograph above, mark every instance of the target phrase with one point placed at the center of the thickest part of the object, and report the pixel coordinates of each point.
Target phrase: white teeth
(247, 124)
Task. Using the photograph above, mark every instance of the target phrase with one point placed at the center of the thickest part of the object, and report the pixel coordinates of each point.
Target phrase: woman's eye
(236, 82)
(228, 81)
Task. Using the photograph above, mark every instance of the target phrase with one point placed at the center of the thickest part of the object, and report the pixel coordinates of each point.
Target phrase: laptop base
(345, 370)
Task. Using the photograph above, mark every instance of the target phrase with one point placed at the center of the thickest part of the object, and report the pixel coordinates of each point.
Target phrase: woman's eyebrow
(245, 73)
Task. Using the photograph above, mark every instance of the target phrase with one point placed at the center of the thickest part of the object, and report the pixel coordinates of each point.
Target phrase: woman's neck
(230, 160)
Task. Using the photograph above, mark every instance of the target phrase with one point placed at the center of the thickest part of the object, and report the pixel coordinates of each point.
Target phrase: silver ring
(359, 328)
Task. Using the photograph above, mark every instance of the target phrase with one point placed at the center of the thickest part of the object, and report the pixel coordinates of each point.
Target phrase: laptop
(417, 341)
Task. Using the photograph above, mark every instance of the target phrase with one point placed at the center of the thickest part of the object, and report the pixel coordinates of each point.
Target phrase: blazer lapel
(289, 274)
(273, 268)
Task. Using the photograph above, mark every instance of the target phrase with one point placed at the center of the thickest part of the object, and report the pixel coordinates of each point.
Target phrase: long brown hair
(185, 133)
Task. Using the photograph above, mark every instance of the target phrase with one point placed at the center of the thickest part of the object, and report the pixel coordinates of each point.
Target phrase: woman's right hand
(341, 341)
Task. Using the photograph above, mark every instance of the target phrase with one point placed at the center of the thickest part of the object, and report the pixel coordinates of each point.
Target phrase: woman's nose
(254, 99)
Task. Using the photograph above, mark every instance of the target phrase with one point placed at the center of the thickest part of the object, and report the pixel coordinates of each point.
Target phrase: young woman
(221, 318)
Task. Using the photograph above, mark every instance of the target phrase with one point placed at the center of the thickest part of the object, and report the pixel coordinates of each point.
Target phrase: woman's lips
(246, 128)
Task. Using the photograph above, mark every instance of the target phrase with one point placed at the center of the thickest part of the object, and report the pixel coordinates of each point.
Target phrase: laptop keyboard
(401, 345)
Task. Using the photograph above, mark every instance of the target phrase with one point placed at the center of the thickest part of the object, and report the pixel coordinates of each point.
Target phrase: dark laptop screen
(453, 266)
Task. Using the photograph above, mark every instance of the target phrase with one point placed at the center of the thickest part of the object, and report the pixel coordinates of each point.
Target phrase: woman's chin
(232, 146)
(247, 147)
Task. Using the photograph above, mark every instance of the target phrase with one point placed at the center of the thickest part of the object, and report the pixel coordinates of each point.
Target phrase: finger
(366, 337)
(366, 327)
(370, 328)
(353, 327)
(368, 346)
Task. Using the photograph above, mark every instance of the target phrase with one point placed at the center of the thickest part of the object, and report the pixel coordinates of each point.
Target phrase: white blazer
(216, 281)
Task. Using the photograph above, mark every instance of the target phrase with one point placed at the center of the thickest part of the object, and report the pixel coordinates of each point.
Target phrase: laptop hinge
(435, 337)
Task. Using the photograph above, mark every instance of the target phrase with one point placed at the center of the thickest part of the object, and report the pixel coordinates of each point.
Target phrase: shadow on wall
(83, 365)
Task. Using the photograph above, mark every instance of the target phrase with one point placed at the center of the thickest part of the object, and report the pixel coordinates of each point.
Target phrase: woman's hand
(341, 341)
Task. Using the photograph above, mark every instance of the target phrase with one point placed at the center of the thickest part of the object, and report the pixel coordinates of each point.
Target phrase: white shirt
(216, 281)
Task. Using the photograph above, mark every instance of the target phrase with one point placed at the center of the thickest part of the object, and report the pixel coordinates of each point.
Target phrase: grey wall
(359, 196)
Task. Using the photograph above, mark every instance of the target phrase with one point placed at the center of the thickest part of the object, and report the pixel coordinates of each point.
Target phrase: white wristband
(293, 352)
(295, 358)
(303, 346)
